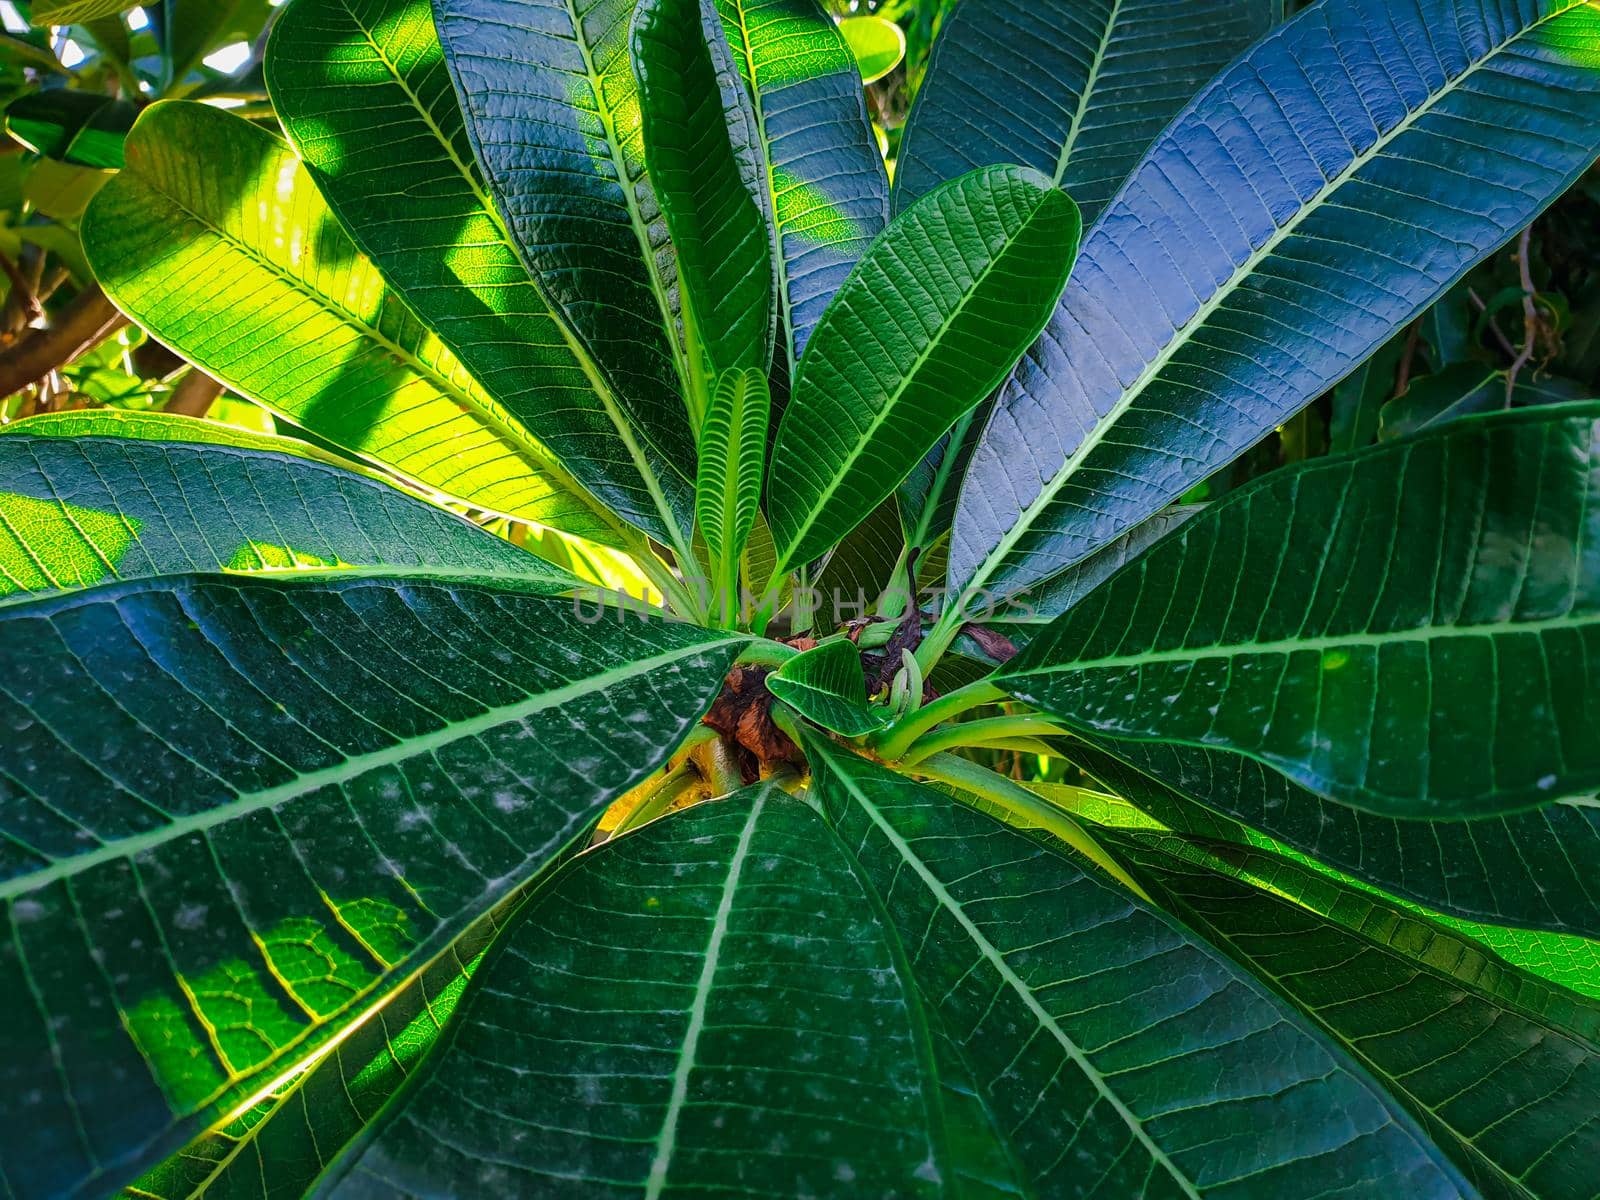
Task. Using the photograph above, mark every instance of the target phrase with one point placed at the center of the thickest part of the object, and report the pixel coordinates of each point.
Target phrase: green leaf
(1531, 869)
(1281, 624)
(81, 128)
(1501, 1069)
(284, 1143)
(1056, 595)
(335, 777)
(288, 313)
(1076, 89)
(822, 177)
(1359, 397)
(706, 1007)
(75, 12)
(362, 94)
(192, 29)
(859, 569)
(878, 44)
(720, 235)
(552, 114)
(86, 506)
(1120, 1052)
(1462, 389)
(927, 496)
(929, 322)
(826, 686)
(1353, 209)
(733, 451)
(1570, 961)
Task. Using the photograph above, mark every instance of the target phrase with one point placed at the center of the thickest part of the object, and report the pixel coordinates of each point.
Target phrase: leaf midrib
(992, 955)
(245, 803)
(909, 376)
(666, 1139)
(1181, 337)
(1423, 634)
(1089, 86)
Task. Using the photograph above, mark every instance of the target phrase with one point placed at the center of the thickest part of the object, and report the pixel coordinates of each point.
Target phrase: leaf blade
(908, 346)
(1166, 358)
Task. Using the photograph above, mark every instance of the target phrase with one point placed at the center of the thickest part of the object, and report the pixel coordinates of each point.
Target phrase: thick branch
(194, 395)
(81, 326)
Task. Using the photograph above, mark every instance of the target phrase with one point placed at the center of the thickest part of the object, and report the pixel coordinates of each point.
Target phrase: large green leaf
(709, 1007)
(1282, 228)
(733, 456)
(334, 776)
(1076, 89)
(719, 233)
(827, 194)
(826, 686)
(552, 114)
(1121, 1053)
(1502, 1070)
(930, 321)
(85, 509)
(281, 1145)
(1289, 622)
(362, 91)
(1532, 869)
(277, 303)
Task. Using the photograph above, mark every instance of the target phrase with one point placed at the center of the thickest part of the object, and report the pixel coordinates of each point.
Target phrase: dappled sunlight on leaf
(51, 544)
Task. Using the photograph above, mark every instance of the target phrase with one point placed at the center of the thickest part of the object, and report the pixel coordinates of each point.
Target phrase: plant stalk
(893, 744)
(981, 733)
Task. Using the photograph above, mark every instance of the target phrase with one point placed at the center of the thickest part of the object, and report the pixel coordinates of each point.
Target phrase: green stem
(939, 638)
(666, 793)
(980, 733)
(661, 577)
(894, 743)
(763, 653)
(1028, 809)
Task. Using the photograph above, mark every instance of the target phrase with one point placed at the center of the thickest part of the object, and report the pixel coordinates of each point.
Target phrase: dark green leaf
(1500, 1068)
(1076, 89)
(720, 235)
(1123, 1055)
(1533, 869)
(335, 776)
(824, 180)
(81, 128)
(930, 321)
(552, 114)
(1290, 622)
(288, 313)
(1462, 389)
(708, 1007)
(826, 686)
(1284, 189)
(362, 93)
(1359, 397)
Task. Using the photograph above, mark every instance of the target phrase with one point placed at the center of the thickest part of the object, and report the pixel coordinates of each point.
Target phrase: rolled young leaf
(823, 182)
(1076, 90)
(721, 238)
(1118, 1050)
(362, 93)
(1283, 189)
(826, 686)
(733, 455)
(284, 310)
(705, 1007)
(552, 115)
(1288, 622)
(931, 319)
(336, 775)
